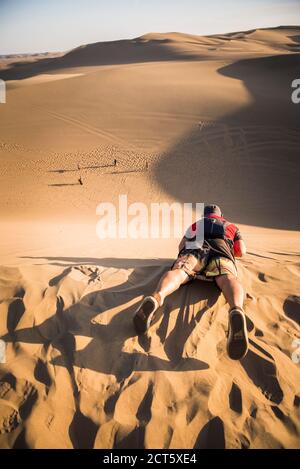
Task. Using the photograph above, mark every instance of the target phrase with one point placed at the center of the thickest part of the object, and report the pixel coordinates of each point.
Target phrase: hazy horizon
(146, 32)
(32, 26)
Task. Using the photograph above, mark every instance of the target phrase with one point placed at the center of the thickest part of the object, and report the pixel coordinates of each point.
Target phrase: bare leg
(232, 289)
(170, 282)
(237, 341)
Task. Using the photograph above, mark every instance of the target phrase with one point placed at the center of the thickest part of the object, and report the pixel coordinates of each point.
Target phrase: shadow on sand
(101, 53)
(106, 353)
(108, 340)
(248, 161)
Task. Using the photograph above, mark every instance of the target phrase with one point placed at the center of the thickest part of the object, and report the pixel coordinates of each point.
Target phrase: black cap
(212, 209)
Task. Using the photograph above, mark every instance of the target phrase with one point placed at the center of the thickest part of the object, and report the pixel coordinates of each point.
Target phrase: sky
(28, 26)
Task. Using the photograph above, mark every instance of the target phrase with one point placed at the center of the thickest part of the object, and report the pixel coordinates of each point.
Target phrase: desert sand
(189, 119)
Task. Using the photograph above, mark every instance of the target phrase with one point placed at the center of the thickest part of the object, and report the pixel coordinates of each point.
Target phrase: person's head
(212, 210)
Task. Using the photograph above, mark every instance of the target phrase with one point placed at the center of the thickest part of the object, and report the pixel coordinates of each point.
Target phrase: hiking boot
(144, 314)
(237, 342)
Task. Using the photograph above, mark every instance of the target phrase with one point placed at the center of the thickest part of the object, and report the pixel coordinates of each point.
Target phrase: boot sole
(237, 348)
(142, 319)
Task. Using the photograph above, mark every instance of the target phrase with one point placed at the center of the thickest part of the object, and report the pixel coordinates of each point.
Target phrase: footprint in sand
(291, 307)
(16, 310)
(82, 431)
(143, 414)
(262, 277)
(212, 435)
(235, 399)
(11, 311)
(263, 374)
(16, 400)
(285, 419)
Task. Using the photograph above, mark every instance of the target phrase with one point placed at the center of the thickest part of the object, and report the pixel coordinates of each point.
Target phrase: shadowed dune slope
(248, 159)
(215, 122)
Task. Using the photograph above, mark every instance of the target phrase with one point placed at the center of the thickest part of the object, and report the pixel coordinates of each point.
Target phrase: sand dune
(188, 118)
(229, 114)
(78, 376)
(158, 47)
(44, 78)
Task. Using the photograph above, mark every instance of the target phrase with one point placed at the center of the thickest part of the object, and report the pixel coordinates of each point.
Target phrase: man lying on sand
(213, 259)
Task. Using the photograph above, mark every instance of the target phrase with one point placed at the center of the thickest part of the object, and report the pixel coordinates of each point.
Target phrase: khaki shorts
(192, 265)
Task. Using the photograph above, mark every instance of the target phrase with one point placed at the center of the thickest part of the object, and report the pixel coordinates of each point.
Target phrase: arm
(239, 248)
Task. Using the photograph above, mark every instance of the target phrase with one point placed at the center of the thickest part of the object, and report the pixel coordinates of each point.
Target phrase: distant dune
(188, 119)
(160, 47)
